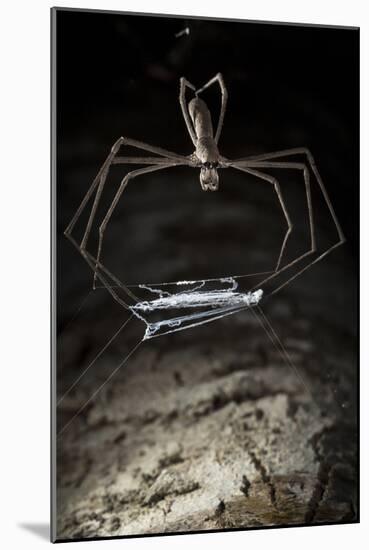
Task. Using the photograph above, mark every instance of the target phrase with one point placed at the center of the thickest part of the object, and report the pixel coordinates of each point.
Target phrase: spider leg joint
(117, 145)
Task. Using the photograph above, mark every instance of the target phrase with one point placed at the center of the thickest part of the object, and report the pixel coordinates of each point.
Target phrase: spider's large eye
(209, 179)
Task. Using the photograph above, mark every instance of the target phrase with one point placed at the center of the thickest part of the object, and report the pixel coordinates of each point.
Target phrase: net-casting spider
(207, 158)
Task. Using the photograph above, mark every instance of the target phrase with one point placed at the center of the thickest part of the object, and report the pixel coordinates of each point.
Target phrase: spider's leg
(94, 208)
(316, 260)
(218, 78)
(287, 165)
(302, 151)
(118, 194)
(100, 180)
(91, 261)
(341, 237)
(152, 149)
(92, 188)
(184, 83)
(275, 183)
(113, 159)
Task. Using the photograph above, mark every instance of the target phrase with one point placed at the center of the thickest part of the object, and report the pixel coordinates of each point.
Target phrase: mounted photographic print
(205, 274)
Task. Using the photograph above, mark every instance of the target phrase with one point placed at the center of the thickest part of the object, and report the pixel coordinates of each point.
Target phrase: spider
(207, 158)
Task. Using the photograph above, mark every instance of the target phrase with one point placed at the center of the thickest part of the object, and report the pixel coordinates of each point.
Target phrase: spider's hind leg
(184, 83)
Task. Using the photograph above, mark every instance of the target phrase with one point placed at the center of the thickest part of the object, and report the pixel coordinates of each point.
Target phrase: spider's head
(209, 178)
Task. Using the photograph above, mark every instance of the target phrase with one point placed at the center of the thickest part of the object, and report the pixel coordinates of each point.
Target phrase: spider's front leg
(249, 167)
(101, 176)
(267, 161)
(164, 159)
(277, 188)
(122, 186)
(311, 161)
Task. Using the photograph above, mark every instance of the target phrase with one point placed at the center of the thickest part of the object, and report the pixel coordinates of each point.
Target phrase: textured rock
(190, 439)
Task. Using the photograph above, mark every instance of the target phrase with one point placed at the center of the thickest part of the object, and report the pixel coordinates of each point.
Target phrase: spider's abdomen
(206, 148)
(201, 118)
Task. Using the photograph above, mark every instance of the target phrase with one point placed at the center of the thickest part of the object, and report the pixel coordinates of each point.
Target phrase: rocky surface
(210, 429)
